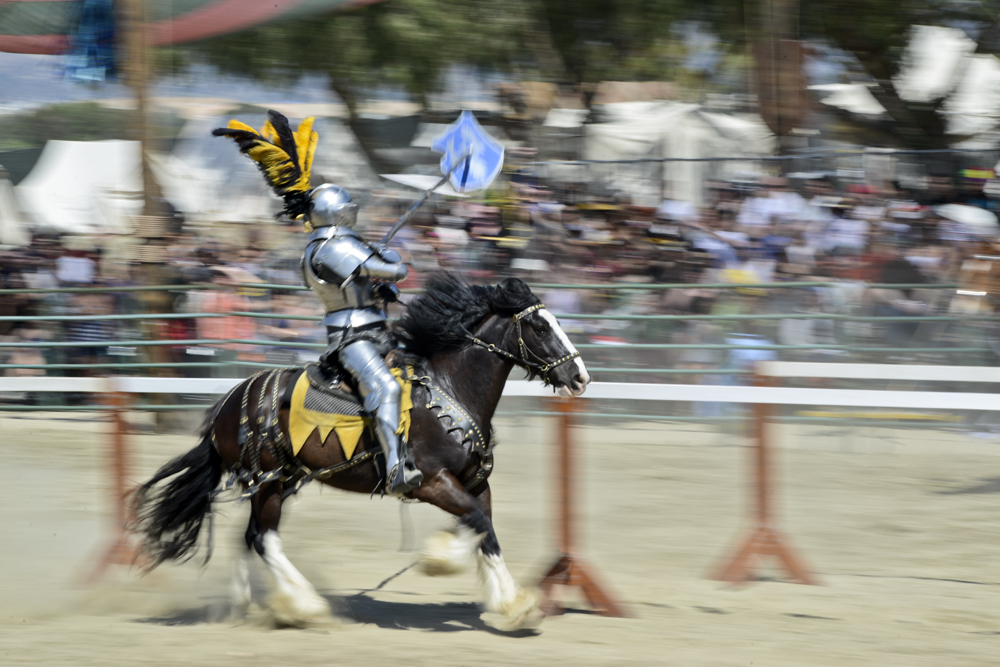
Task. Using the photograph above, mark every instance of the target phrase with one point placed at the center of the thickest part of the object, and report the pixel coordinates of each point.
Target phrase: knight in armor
(352, 279)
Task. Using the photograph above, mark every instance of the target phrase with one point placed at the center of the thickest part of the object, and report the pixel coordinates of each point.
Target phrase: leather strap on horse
(482, 474)
(329, 471)
(268, 433)
(523, 362)
(449, 407)
(253, 440)
(459, 417)
(461, 420)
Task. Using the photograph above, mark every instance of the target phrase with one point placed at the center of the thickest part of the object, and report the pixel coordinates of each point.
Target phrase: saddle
(321, 400)
(339, 396)
(332, 381)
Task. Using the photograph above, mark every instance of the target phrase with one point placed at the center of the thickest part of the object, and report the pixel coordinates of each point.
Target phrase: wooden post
(764, 538)
(120, 551)
(132, 19)
(569, 569)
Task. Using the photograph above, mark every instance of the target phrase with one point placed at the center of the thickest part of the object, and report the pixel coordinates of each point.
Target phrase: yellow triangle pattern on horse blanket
(324, 415)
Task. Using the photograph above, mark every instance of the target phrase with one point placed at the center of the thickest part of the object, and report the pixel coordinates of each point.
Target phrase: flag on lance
(481, 155)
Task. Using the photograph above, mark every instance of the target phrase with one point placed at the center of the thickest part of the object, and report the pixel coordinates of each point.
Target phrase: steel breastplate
(341, 251)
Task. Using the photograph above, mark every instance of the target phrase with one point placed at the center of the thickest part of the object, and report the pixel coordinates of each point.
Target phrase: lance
(462, 142)
(403, 219)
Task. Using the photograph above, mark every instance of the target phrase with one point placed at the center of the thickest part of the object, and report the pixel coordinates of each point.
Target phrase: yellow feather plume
(273, 160)
(285, 157)
(237, 125)
(269, 133)
(305, 144)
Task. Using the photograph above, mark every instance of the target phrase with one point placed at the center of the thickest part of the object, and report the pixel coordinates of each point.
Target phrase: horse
(465, 340)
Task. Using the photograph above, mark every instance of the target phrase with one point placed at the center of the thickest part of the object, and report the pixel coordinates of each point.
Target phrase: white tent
(935, 59)
(854, 97)
(12, 230)
(939, 62)
(83, 187)
(635, 130)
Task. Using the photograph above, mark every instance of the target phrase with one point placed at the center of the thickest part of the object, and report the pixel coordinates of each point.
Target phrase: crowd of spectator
(841, 238)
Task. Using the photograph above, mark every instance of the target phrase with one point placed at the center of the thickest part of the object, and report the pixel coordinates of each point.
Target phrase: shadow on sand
(360, 608)
(991, 485)
(442, 617)
(213, 612)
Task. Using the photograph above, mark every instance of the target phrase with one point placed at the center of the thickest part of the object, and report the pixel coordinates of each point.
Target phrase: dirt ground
(899, 526)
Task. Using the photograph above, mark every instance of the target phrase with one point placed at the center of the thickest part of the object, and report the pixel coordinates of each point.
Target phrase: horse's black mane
(443, 317)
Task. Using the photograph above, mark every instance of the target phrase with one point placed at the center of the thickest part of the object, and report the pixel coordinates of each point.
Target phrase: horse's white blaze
(295, 600)
(449, 552)
(564, 339)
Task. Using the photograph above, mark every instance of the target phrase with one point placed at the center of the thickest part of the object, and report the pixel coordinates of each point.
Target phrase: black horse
(468, 339)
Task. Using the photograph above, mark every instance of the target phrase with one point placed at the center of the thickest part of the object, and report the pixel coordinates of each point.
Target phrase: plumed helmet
(332, 205)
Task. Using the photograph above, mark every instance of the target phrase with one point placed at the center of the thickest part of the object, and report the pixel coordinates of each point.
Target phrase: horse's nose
(578, 380)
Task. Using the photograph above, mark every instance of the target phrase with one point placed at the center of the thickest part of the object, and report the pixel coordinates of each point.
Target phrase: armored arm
(338, 258)
(380, 266)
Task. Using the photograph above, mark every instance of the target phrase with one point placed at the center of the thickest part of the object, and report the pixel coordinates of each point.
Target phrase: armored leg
(381, 394)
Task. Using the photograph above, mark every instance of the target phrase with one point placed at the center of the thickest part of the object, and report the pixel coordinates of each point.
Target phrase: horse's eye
(544, 331)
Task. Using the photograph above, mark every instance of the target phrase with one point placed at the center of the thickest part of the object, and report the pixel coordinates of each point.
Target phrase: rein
(523, 361)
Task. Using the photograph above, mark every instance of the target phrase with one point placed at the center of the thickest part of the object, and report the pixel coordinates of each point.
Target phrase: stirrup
(403, 479)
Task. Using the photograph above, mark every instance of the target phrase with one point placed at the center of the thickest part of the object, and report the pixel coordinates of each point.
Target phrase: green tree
(403, 44)
(408, 45)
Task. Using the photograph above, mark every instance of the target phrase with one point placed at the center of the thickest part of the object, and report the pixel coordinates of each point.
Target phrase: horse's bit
(523, 361)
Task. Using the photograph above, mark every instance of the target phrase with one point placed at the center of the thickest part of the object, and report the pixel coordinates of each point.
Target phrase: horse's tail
(170, 518)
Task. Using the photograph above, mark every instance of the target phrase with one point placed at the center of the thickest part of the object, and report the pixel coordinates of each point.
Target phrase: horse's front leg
(294, 600)
(500, 592)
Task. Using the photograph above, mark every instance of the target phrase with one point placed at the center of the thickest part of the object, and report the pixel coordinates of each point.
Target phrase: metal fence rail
(957, 338)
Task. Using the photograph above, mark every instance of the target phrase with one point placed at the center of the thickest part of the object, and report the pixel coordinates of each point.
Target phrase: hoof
(523, 612)
(292, 613)
(447, 553)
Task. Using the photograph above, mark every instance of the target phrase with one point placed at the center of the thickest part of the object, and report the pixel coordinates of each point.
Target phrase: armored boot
(402, 474)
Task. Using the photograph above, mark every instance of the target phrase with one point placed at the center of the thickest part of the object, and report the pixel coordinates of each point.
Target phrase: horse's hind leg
(500, 591)
(294, 600)
(240, 592)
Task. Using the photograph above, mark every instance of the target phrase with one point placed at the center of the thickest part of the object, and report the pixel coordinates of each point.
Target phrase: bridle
(524, 362)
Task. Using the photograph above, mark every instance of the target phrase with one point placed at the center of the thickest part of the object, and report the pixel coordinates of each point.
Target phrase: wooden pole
(120, 551)
(565, 465)
(132, 19)
(764, 539)
(570, 570)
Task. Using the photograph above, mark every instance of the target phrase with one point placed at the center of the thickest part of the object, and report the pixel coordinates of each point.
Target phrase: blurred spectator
(222, 300)
(75, 268)
(840, 235)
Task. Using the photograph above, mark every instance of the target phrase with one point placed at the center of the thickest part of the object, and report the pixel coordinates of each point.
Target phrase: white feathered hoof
(523, 612)
(519, 607)
(447, 553)
(300, 611)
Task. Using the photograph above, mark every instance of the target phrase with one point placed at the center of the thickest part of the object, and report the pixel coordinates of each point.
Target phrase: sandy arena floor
(901, 528)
